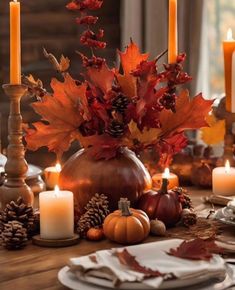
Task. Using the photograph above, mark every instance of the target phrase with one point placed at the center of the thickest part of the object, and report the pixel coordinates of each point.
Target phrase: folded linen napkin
(104, 264)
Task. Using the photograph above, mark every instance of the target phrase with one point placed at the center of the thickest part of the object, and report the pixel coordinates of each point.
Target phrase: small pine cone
(184, 198)
(116, 129)
(188, 218)
(96, 211)
(19, 211)
(120, 103)
(13, 236)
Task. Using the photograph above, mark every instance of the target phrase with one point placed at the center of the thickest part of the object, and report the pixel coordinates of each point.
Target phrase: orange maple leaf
(190, 114)
(101, 77)
(129, 61)
(62, 113)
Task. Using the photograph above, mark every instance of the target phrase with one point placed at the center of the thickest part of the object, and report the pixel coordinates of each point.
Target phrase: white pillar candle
(56, 214)
(223, 179)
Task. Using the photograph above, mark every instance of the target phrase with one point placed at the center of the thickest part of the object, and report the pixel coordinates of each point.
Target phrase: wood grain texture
(36, 268)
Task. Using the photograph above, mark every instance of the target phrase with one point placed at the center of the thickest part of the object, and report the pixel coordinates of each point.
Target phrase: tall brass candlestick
(16, 167)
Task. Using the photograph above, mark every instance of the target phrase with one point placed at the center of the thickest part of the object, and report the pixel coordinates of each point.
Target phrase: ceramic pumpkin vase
(123, 176)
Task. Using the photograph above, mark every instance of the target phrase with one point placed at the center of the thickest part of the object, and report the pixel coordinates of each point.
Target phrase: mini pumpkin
(95, 234)
(163, 205)
(126, 225)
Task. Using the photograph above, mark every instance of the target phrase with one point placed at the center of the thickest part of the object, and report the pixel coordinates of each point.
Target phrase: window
(220, 19)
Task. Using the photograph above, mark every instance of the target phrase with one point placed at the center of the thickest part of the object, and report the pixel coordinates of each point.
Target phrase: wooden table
(36, 268)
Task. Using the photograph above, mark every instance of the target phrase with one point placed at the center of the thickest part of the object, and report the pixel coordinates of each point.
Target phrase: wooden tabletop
(36, 268)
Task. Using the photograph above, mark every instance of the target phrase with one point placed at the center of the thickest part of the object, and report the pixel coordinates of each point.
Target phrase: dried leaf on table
(215, 133)
(62, 113)
(128, 260)
(129, 61)
(197, 249)
(190, 114)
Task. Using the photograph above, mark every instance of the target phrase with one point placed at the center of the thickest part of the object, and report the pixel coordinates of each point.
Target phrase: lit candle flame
(166, 173)
(58, 167)
(227, 167)
(57, 190)
(229, 34)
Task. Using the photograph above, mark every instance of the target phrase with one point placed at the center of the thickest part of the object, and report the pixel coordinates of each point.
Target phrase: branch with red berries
(89, 38)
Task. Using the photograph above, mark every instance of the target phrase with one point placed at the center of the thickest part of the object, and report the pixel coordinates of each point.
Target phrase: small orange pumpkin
(126, 225)
(95, 234)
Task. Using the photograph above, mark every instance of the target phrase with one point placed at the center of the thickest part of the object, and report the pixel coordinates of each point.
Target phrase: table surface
(36, 267)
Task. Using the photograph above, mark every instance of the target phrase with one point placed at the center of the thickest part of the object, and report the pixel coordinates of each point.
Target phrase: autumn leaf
(64, 63)
(190, 114)
(147, 136)
(62, 113)
(33, 82)
(129, 61)
(215, 133)
(197, 249)
(128, 260)
(101, 146)
(55, 139)
(101, 77)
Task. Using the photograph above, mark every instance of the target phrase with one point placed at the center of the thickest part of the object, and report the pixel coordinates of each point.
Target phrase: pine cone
(116, 129)
(184, 198)
(96, 211)
(18, 211)
(188, 218)
(120, 103)
(13, 236)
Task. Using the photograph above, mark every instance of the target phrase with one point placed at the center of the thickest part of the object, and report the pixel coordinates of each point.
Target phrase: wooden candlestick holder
(229, 140)
(16, 167)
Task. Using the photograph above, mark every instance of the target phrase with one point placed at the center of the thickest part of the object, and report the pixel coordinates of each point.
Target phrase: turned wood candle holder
(16, 167)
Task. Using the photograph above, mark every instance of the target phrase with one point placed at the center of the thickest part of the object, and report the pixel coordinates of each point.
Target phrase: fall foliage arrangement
(137, 104)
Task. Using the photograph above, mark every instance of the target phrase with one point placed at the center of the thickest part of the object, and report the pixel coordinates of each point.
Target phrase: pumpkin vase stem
(165, 183)
(124, 207)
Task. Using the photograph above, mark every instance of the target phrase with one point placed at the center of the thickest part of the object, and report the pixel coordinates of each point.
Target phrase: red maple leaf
(197, 249)
(128, 260)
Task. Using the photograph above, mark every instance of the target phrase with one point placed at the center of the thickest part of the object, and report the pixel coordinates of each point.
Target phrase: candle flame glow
(166, 173)
(229, 34)
(58, 167)
(56, 190)
(227, 167)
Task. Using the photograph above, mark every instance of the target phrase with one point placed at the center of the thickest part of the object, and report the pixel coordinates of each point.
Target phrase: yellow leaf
(146, 136)
(213, 134)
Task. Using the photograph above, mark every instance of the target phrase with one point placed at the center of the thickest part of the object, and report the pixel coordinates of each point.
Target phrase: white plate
(71, 281)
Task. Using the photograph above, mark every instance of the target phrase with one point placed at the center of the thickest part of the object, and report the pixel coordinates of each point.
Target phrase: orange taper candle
(15, 45)
(229, 48)
(173, 32)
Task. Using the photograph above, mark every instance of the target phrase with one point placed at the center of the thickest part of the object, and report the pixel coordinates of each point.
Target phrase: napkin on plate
(103, 264)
